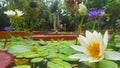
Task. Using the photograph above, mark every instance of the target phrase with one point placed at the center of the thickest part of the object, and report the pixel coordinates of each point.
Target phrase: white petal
(112, 55)
(105, 38)
(78, 48)
(83, 41)
(92, 37)
(82, 57)
(100, 35)
(88, 34)
(102, 47)
(96, 36)
(95, 32)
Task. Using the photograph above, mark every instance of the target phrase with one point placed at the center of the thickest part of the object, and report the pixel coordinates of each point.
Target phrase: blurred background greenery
(40, 15)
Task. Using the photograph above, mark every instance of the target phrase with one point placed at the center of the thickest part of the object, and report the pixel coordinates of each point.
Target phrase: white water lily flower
(19, 13)
(93, 48)
(9, 13)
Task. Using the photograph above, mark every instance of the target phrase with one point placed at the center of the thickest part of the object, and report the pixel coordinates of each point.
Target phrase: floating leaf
(19, 56)
(92, 65)
(67, 50)
(32, 55)
(64, 64)
(43, 53)
(65, 57)
(107, 64)
(54, 65)
(50, 50)
(36, 60)
(52, 55)
(42, 43)
(58, 64)
(19, 49)
(102, 64)
(22, 66)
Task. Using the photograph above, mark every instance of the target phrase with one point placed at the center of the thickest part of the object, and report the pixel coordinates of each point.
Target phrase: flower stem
(11, 27)
(94, 24)
(9, 33)
(79, 30)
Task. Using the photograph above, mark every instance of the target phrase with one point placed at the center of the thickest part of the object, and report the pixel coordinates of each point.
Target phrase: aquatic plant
(94, 13)
(93, 48)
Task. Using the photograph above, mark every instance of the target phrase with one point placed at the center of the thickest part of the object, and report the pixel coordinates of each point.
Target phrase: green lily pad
(19, 49)
(107, 64)
(65, 57)
(58, 64)
(32, 55)
(67, 51)
(26, 55)
(19, 56)
(102, 64)
(90, 64)
(54, 65)
(52, 55)
(43, 53)
(34, 60)
(22, 66)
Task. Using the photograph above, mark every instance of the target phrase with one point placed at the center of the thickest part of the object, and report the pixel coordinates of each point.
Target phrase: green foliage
(58, 64)
(69, 16)
(107, 64)
(18, 49)
(34, 60)
(114, 42)
(112, 8)
(55, 53)
(22, 66)
(117, 39)
(31, 19)
(65, 57)
(102, 64)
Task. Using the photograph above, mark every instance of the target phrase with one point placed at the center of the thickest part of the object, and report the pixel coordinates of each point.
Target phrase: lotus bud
(82, 9)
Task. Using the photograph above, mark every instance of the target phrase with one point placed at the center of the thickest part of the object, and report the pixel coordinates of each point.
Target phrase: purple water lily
(7, 28)
(94, 13)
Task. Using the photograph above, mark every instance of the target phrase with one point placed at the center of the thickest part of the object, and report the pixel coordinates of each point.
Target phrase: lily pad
(107, 64)
(19, 49)
(67, 51)
(102, 64)
(19, 56)
(43, 53)
(54, 65)
(65, 57)
(22, 66)
(27, 55)
(34, 60)
(59, 64)
(52, 55)
(31, 55)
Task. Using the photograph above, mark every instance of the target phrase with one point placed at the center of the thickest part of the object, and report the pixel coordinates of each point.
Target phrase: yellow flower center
(93, 50)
